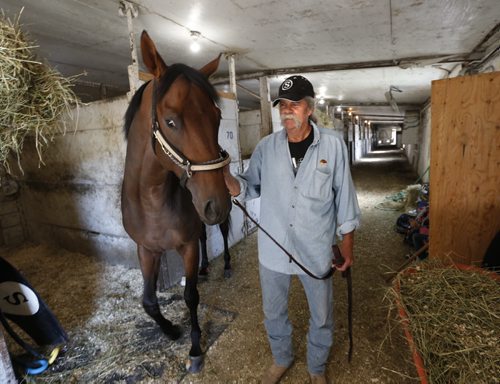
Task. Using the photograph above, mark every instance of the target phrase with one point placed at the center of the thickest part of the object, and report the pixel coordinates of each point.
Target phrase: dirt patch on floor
(113, 340)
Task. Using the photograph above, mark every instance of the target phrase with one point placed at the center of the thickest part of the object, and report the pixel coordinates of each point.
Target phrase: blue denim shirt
(304, 213)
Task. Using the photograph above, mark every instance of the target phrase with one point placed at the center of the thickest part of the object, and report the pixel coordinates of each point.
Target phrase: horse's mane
(132, 108)
(164, 84)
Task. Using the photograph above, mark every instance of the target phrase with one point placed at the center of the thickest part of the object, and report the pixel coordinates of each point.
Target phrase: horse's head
(185, 125)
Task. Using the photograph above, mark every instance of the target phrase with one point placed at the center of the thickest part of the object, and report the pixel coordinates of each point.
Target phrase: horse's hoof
(172, 331)
(228, 273)
(194, 364)
(203, 271)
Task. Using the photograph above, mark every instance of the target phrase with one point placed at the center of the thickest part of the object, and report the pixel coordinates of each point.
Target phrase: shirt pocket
(320, 185)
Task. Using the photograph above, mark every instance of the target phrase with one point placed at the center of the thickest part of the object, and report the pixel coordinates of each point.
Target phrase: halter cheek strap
(176, 156)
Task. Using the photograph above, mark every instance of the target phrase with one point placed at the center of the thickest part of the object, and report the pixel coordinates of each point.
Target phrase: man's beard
(297, 121)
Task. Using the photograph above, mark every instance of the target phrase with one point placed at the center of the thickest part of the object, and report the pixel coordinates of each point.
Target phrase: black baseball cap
(294, 88)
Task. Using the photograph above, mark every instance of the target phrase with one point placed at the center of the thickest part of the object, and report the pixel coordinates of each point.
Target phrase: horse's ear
(211, 67)
(150, 56)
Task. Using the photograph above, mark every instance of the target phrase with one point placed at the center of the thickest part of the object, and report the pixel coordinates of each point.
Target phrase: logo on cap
(287, 84)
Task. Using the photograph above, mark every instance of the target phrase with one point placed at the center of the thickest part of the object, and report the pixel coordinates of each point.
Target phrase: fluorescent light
(195, 46)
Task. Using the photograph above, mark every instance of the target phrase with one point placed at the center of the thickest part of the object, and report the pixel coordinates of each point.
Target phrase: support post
(232, 73)
(130, 11)
(266, 126)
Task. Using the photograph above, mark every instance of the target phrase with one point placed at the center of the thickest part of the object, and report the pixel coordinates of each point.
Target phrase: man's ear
(311, 111)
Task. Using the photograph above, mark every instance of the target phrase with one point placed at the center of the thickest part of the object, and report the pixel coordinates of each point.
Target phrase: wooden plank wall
(465, 172)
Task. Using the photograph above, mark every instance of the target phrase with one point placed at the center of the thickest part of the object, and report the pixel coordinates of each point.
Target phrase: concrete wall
(11, 223)
(276, 121)
(386, 133)
(73, 201)
(250, 122)
(359, 143)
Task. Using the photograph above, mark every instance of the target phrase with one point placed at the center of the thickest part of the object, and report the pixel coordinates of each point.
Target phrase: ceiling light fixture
(339, 109)
(195, 46)
(321, 101)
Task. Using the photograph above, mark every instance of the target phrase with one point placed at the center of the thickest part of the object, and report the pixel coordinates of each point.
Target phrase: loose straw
(454, 319)
(33, 96)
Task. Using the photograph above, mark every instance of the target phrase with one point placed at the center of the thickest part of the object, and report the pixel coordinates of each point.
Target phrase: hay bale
(33, 96)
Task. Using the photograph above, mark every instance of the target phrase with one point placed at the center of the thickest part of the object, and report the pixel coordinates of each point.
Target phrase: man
(302, 176)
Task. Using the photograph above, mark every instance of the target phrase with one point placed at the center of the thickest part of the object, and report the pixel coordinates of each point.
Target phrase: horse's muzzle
(214, 213)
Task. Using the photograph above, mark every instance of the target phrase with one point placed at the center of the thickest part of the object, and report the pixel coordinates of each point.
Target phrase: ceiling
(353, 51)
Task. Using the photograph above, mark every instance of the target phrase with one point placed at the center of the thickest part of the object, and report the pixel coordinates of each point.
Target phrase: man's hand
(346, 248)
(232, 184)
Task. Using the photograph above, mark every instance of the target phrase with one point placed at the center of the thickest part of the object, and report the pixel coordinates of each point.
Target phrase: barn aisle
(113, 341)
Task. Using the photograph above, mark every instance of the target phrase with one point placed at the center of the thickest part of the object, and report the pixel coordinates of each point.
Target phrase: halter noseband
(176, 156)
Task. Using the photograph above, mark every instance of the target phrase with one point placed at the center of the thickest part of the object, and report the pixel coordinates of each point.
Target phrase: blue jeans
(275, 287)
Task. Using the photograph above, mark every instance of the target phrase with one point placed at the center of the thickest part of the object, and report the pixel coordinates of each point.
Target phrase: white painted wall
(275, 116)
(74, 200)
(359, 149)
(250, 122)
(425, 144)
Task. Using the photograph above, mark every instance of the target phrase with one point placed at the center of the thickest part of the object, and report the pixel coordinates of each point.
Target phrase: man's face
(294, 114)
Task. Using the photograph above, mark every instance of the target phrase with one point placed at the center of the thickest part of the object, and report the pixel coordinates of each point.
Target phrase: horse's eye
(170, 123)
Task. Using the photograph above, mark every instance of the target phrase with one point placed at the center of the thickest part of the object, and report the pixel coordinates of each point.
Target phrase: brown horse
(173, 177)
(224, 229)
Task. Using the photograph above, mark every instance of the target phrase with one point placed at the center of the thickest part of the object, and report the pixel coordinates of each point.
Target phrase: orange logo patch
(323, 162)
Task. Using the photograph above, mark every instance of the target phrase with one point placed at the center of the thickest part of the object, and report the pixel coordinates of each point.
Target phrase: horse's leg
(204, 255)
(150, 266)
(190, 255)
(224, 228)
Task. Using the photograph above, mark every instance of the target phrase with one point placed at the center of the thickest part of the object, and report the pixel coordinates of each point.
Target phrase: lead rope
(326, 276)
(337, 261)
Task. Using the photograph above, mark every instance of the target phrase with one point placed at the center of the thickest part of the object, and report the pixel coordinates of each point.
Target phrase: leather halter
(176, 156)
